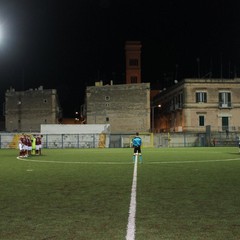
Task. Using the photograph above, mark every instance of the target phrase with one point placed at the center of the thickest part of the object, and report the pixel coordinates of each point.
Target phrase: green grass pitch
(182, 194)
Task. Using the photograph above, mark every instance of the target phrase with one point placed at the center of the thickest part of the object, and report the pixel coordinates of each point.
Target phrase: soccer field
(181, 194)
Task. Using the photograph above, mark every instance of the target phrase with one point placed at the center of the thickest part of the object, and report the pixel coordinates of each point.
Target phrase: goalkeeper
(136, 144)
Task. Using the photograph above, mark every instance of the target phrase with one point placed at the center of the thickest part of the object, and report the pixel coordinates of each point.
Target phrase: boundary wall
(75, 128)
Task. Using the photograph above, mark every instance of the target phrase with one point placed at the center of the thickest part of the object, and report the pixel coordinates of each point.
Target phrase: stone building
(193, 104)
(27, 110)
(125, 107)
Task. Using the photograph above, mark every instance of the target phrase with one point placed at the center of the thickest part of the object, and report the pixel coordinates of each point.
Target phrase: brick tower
(133, 61)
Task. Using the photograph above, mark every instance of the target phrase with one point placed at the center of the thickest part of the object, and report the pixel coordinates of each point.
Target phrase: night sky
(69, 45)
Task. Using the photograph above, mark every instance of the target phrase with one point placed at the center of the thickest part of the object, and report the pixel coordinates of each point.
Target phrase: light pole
(153, 109)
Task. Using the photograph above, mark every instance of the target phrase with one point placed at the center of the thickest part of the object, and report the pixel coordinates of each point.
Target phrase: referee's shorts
(137, 149)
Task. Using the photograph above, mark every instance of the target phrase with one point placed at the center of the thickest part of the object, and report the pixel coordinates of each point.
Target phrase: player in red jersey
(39, 145)
(20, 145)
(29, 145)
(25, 146)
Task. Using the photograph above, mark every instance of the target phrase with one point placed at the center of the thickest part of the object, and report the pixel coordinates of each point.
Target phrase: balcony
(225, 105)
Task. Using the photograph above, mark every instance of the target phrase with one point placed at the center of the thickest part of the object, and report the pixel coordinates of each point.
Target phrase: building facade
(27, 110)
(193, 104)
(126, 107)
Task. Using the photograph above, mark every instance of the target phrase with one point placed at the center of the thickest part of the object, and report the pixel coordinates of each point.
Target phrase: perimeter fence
(51, 141)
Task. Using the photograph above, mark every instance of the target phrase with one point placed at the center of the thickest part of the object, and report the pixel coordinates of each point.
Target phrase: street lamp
(153, 109)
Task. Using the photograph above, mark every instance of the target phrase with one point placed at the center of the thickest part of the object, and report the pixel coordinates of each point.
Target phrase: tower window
(133, 79)
(133, 62)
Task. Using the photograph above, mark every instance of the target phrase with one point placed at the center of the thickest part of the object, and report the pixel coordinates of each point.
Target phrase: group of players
(30, 145)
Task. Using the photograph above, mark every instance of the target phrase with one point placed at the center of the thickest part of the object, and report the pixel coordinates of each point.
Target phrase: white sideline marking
(133, 204)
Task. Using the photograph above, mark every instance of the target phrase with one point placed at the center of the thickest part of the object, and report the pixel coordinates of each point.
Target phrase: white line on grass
(128, 163)
(51, 161)
(197, 161)
(132, 208)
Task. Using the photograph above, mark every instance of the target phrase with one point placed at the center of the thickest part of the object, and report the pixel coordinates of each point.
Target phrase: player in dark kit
(137, 143)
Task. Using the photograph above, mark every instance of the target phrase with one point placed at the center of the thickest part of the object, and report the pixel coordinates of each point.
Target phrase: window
(201, 97)
(180, 97)
(107, 98)
(225, 123)
(172, 107)
(201, 121)
(133, 79)
(178, 101)
(133, 62)
(224, 99)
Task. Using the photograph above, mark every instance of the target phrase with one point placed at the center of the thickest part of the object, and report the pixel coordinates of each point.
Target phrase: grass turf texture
(182, 193)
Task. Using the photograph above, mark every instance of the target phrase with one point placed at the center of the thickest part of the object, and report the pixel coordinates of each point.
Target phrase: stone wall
(125, 107)
(26, 110)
